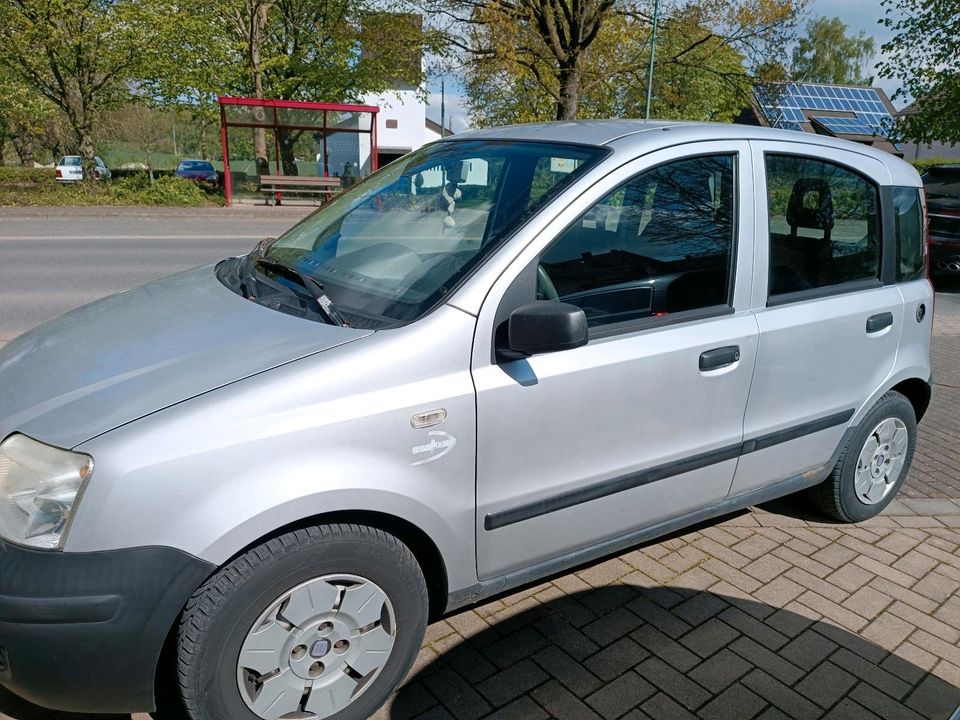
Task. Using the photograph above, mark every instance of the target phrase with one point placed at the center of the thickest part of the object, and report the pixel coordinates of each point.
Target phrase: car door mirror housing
(547, 326)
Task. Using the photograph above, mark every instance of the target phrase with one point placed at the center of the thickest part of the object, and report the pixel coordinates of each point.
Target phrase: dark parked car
(199, 170)
(942, 185)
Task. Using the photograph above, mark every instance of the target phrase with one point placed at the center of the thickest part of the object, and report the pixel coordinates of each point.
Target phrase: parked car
(942, 185)
(505, 354)
(70, 169)
(199, 170)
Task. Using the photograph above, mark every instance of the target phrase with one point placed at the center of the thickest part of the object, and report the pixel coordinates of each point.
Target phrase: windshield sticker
(440, 444)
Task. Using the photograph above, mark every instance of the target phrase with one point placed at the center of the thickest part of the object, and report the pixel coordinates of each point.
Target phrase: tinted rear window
(908, 220)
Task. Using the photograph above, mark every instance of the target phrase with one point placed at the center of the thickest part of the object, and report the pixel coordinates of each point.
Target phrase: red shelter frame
(272, 121)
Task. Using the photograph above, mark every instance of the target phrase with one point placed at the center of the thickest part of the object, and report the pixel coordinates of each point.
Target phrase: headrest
(799, 211)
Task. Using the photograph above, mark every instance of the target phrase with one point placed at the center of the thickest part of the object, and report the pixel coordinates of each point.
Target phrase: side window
(661, 243)
(908, 221)
(824, 225)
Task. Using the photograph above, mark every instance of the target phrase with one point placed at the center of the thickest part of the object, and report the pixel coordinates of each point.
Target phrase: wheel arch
(918, 392)
(422, 546)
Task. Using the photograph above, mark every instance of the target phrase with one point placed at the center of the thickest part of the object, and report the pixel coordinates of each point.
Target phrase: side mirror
(546, 326)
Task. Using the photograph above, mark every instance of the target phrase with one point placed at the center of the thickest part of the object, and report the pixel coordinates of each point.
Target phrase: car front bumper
(83, 632)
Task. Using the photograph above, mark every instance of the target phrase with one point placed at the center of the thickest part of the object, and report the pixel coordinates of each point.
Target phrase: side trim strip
(608, 487)
(661, 472)
(797, 431)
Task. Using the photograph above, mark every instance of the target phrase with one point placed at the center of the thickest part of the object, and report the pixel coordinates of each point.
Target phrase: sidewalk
(763, 616)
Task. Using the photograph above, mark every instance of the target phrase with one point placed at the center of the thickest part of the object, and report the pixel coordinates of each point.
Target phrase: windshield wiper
(312, 286)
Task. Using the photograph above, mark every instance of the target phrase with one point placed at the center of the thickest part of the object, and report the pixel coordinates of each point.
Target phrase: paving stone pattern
(763, 616)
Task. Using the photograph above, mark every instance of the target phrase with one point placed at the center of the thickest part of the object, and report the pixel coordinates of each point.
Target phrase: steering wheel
(545, 287)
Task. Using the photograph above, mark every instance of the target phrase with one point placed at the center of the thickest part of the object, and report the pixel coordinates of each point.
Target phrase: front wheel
(320, 623)
(873, 464)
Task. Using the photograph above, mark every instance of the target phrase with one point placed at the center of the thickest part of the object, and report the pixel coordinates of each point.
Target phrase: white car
(70, 169)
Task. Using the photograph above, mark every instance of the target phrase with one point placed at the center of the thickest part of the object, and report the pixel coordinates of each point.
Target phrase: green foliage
(709, 53)
(81, 56)
(165, 190)
(37, 187)
(924, 56)
(827, 54)
(926, 163)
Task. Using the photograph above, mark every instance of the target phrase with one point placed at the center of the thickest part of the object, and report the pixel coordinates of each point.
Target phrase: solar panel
(787, 106)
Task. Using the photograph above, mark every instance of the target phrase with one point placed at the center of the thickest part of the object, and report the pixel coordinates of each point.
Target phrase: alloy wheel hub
(316, 648)
(881, 461)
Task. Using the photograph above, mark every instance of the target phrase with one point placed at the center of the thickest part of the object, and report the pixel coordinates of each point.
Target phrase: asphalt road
(55, 259)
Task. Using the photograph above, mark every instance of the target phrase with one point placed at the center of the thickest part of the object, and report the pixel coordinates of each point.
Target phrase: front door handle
(880, 321)
(719, 357)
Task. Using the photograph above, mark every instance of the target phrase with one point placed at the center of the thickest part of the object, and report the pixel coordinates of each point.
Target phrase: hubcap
(881, 460)
(316, 648)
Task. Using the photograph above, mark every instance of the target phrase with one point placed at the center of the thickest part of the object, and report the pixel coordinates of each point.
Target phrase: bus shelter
(294, 138)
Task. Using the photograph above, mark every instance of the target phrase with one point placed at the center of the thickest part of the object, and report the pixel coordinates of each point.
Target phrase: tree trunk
(202, 140)
(569, 103)
(85, 145)
(23, 146)
(288, 161)
(258, 21)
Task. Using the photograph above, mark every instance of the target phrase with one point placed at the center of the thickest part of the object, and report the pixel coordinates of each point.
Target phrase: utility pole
(443, 107)
(653, 52)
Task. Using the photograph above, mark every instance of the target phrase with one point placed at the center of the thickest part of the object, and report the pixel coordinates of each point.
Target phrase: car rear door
(580, 450)
(829, 324)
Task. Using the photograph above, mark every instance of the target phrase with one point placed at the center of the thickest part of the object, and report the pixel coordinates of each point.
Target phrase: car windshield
(71, 161)
(393, 246)
(197, 165)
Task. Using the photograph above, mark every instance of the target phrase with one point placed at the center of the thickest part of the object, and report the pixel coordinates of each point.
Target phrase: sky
(859, 15)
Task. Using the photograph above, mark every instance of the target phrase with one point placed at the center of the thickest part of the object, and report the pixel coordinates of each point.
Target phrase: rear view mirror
(547, 326)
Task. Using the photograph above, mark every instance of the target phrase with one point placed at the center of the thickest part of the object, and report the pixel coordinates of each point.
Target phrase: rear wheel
(873, 464)
(319, 623)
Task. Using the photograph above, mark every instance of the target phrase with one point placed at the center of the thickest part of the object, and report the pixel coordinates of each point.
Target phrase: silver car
(502, 355)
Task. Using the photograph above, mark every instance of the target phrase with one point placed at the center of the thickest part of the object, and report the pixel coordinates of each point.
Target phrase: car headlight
(39, 485)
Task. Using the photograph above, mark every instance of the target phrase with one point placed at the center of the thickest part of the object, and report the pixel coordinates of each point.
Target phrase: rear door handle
(880, 321)
(719, 357)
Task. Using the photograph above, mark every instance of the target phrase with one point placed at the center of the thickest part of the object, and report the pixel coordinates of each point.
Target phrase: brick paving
(772, 614)
(765, 615)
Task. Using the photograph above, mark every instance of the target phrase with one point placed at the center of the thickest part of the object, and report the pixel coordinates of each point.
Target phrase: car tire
(862, 483)
(240, 615)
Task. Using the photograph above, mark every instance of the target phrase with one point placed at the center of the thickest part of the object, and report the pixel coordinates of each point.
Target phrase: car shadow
(668, 652)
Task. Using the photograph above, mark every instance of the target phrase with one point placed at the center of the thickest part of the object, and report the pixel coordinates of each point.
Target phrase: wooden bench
(273, 185)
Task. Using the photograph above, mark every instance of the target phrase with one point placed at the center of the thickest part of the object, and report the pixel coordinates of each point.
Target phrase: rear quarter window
(908, 224)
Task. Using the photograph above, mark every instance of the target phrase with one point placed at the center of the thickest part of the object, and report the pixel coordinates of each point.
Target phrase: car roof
(641, 136)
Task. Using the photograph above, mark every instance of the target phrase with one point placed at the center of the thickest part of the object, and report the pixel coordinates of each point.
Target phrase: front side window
(908, 223)
(390, 248)
(662, 243)
(824, 225)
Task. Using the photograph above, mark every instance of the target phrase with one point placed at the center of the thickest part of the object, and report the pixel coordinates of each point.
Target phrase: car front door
(829, 321)
(581, 449)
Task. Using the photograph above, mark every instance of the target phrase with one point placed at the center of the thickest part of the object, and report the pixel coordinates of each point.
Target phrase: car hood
(128, 355)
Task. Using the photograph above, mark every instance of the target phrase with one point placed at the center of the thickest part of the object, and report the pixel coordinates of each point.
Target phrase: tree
(80, 54)
(329, 51)
(827, 54)
(23, 117)
(590, 59)
(924, 56)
